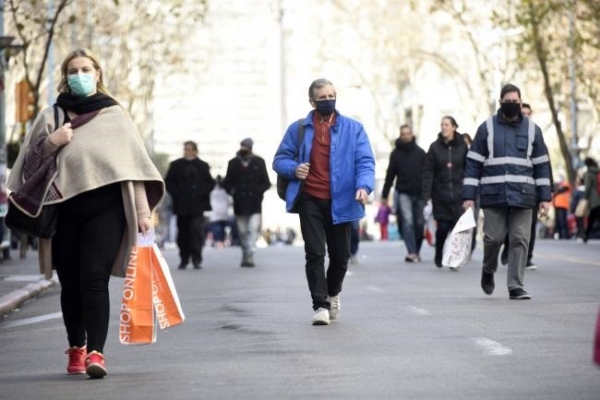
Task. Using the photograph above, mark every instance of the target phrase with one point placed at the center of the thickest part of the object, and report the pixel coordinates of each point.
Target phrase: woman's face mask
(82, 84)
(82, 76)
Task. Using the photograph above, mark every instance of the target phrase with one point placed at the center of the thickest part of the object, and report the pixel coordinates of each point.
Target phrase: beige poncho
(106, 150)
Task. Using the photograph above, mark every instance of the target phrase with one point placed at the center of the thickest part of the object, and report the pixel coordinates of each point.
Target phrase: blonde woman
(95, 167)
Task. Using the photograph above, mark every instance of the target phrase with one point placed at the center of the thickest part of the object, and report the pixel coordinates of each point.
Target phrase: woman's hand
(62, 135)
(145, 225)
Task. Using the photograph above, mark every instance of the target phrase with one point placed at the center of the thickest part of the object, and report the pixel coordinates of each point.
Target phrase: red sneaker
(76, 360)
(95, 365)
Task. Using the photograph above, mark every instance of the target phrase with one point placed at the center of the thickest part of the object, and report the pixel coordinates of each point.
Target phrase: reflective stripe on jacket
(510, 162)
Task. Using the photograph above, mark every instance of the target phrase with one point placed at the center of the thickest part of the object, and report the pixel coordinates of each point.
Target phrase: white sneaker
(321, 317)
(531, 267)
(334, 311)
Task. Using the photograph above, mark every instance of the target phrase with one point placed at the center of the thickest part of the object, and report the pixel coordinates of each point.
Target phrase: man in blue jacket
(331, 174)
(508, 160)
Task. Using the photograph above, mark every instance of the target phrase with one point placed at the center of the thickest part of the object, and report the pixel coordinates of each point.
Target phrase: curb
(14, 299)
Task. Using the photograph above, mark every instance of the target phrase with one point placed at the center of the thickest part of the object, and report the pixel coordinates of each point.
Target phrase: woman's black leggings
(441, 234)
(84, 248)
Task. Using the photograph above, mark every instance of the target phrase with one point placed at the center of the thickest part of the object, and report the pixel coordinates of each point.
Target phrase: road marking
(32, 320)
(375, 289)
(22, 278)
(492, 348)
(574, 260)
(418, 311)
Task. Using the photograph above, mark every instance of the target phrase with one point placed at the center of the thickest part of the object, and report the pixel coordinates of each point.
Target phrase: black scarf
(84, 105)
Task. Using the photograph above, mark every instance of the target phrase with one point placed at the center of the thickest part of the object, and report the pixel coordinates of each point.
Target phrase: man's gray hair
(316, 85)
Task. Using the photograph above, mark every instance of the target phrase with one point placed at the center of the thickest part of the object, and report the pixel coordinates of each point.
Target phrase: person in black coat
(246, 181)
(443, 181)
(189, 183)
(406, 168)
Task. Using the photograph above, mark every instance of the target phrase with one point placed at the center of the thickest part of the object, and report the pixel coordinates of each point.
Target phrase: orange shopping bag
(166, 302)
(137, 317)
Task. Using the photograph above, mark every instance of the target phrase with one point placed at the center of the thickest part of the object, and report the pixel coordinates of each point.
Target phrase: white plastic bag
(457, 249)
(430, 224)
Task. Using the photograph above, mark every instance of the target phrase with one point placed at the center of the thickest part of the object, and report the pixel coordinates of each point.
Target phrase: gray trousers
(517, 223)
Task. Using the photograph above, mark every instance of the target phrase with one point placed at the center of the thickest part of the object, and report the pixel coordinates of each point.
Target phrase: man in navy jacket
(331, 173)
(508, 160)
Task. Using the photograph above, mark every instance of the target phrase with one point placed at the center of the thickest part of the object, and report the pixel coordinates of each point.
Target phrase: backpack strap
(301, 129)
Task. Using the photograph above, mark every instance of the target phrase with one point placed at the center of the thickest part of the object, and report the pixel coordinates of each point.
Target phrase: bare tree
(135, 41)
(36, 33)
(545, 43)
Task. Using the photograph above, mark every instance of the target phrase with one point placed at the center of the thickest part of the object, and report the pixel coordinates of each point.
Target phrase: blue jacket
(352, 164)
(509, 162)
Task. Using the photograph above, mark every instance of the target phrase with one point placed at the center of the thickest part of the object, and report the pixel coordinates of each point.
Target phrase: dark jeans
(441, 234)
(561, 223)
(218, 230)
(88, 236)
(409, 213)
(321, 236)
(190, 238)
(534, 221)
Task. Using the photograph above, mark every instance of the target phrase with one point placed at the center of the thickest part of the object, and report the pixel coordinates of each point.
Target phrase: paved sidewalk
(20, 281)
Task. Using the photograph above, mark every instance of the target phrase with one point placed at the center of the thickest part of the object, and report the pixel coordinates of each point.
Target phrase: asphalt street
(406, 331)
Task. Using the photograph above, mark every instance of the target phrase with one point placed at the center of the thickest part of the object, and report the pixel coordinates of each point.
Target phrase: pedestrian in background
(578, 206)
(527, 111)
(405, 167)
(96, 185)
(509, 161)
(246, 181)
(189, 183)
(443, 181)
(220, 203)
(561, 201)
(383, 219)
(592, 195)
(331, 174)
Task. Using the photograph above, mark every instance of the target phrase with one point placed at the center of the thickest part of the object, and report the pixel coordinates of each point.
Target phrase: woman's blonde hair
(63, 85)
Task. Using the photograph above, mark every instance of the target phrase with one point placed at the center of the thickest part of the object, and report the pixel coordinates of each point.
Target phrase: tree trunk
(542, 58)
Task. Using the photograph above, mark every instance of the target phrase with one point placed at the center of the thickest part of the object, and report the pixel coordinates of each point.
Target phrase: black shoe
(487, 282)
(247, 262)
(197, 266)
(518, 294)
(438, 261)
(182, 266)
